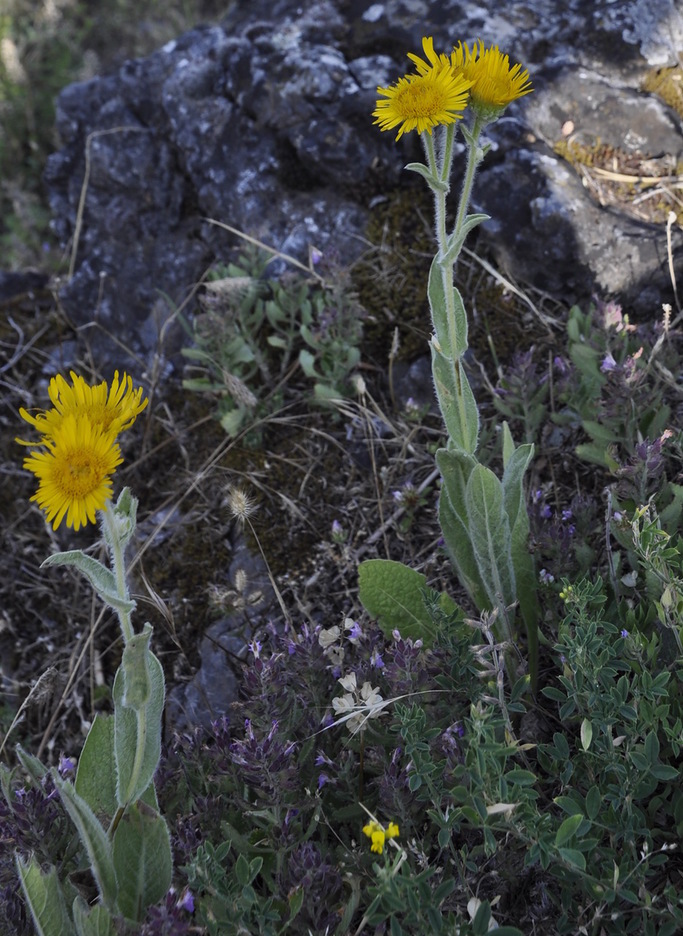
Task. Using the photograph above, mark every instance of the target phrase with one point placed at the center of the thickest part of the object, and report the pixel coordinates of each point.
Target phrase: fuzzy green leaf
(96, 774)
(392, 593)
(455, 468)
(45, 900)
(456, 400)
(440, 280)
(489, 531)
(134, 775)
(135, 666)
(143, 860)
(432, 181)
(31, 764)
(101, 578)
(93, 837)
(92, 921)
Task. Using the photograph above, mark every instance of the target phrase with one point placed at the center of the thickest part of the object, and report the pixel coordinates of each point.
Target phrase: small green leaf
(652, 747)
(569, 805)
(664, 772)
(521, 777)
(573, 857)
(307, 362)
(562, 745)
(296, 901)
(586, 733)
(593, 802)
(568, 829)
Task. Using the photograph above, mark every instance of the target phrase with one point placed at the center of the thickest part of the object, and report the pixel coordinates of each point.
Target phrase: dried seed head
(241, 579)
(240, 504)
(239, 391)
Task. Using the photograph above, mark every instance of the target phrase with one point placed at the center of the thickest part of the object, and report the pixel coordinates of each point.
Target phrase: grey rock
(264, 122)
(224, 646)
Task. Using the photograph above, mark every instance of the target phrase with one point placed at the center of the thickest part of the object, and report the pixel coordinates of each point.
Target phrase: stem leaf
(101, 578)
(143, 860)
(137, 731)
(94, 839)
(44, 898)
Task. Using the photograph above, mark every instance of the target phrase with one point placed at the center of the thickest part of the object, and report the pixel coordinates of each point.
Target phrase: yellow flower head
(112, 409)
(494, 82)
(379, 835)
(422, 102)
(74, 471)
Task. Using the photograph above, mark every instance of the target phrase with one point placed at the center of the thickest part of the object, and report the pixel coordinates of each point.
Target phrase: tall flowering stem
(74, 460)
(483, 518)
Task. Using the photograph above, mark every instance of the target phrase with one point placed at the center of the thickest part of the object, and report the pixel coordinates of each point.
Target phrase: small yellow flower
(494, 82)
(111, 409)
(422, 102)
(74, 471)
(379, 835)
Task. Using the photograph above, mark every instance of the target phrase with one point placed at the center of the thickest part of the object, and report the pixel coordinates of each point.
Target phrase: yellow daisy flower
(74, 472)
(112, 409)
(422, 102)
(494, 82)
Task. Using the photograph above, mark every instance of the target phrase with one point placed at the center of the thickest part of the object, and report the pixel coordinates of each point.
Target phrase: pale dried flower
(240, 504)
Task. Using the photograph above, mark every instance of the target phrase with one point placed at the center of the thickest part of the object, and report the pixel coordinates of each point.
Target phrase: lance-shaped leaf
(143, 860)
(137, 730)
(523, 563)
(44, 898)
(456, 401)
(489, 532)
(92, 921)
(101, 578)
(433, 181)
(94, 839)
(456, 467)
(457, 239)
(439, 283)
(34, 767)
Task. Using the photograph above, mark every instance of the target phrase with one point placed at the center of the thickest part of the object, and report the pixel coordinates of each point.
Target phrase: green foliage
(253, 331)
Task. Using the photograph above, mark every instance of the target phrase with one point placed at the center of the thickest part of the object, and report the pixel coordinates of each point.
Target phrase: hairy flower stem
(474, 157)
(449, 247)
(113, 538)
